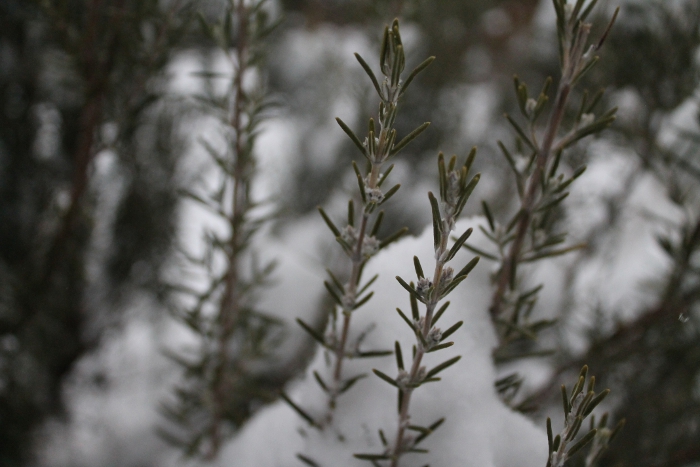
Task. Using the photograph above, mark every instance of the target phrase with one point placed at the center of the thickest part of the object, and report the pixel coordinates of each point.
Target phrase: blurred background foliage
(92, 157)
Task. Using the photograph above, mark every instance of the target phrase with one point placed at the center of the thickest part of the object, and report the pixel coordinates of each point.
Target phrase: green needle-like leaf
(373, 353)
(318, 337)
(414, 307)
(408, 138)
(377, 224)
(347, 384)
(399, 355)
(336, 282)
(414, 73)
(439, 313)
(299, 410)
(565, 400)
(320, 381)
(333, 293)
(444, 365)
(440, 347)
(418, 267)
(393, 237)
(385, 175)
(363, 300)
(489, 216)
(442, 176)
(329, 222)
(451, 330)
(351, 213)
(410, 289)
(434, 426)
(468, 268)
(369, 283)
(307, 460)
(595, 401)
(385, 377)
(521, 132)
(458, 244)
(372, 457)
(582, 442)
(437, 220)
(352, 136)
(467, 192)
(405, 318)
(370, 73)
(390, 193)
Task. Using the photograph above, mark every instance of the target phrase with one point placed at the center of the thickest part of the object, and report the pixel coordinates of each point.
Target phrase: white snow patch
(479, 430)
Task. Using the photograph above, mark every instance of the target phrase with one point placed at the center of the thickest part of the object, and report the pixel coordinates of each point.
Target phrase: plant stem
(573, 62)
(358, 261)
(415, 373)
(95, 68)
(377, 148)
(529, 201)
(230, 307)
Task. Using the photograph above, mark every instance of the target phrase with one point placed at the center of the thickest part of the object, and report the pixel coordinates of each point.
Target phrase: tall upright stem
(530, 200)
(414, 374)
(358, 261)
(575, 37)
(230, 307)
(378, 147)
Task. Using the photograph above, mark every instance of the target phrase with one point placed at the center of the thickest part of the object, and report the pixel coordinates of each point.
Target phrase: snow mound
(479, 430)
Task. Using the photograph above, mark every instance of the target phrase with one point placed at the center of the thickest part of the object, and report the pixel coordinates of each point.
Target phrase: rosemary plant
(218, 388)
(528, 236)
(358, 238)
(577, 407)
(455, 189)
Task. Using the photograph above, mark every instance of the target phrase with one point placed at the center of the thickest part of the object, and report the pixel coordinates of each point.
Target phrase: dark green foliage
(67, 69)
(658, 352)
(653, 49)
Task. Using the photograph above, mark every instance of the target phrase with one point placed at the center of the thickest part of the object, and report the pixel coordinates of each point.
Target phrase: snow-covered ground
(479, 430)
